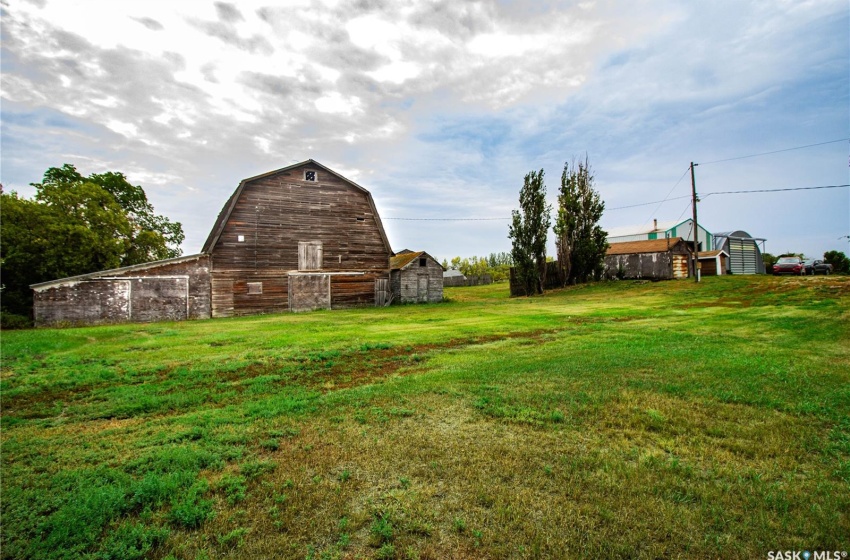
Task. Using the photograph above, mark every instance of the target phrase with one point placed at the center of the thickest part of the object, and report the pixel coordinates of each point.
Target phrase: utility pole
(696, 225)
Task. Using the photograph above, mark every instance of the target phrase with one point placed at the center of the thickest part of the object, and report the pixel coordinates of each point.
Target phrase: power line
(683, 212)
(447, 219)
(668, 194)
(777, 190)
(704, 196)
(775, 151)
(648, 203)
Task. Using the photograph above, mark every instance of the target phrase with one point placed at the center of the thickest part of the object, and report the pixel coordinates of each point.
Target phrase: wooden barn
(416, 277)
(655, 259)
(298, 238)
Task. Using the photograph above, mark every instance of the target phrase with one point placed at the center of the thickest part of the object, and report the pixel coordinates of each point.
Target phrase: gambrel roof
(224, 215)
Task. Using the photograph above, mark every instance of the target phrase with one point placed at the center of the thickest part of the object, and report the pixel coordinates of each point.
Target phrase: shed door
(382, 292)
(422, 288)
(309, 291)
(309, 255)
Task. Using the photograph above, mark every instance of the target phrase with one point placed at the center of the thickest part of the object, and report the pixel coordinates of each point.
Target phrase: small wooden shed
(654, 259)
(416, 277)
(713, 263)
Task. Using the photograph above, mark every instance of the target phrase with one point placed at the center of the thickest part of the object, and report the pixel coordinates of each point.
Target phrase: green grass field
(618, 420)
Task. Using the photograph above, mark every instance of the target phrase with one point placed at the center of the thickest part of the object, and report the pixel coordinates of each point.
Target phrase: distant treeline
(496, 265)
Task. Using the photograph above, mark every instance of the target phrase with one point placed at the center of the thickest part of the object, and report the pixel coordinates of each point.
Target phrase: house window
(310, 176)
(361, 219)
(240, 238)
(255, 288)
(423, 262)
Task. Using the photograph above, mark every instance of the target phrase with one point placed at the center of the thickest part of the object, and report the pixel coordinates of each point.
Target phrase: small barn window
(423, 261)
(255, 288)
(361, 219)
(310, 176)
(240, 238)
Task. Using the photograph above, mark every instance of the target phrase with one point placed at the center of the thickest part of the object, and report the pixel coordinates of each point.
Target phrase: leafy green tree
(838, 260)
(152, 237)
(769, 260)
(76, 225)
(580, 241)
(528, 232)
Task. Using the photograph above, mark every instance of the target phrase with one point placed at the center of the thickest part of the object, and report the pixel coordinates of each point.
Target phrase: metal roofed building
(745, 257)
(662, 230)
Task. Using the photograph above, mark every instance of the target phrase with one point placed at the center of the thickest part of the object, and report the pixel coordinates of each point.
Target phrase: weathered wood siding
(155, 292)
(418, 284)
(708, 267)
(309, 291)
(651, 266)
(281, 223)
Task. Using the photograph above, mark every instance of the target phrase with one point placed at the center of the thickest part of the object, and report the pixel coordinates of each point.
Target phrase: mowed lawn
(617, 420)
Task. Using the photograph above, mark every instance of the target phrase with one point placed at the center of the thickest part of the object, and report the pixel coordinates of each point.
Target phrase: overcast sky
(440, 108)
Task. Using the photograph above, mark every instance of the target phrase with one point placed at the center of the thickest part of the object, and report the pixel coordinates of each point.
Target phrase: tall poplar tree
(528, 231)
(581, 243)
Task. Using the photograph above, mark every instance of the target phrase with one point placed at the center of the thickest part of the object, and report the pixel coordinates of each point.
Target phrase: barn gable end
(302, 237)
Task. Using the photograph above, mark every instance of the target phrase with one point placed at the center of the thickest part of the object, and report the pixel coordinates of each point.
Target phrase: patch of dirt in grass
(722, 302)
(39, 403)
(359, 367)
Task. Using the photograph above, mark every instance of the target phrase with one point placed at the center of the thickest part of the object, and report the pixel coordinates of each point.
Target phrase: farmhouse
(655, 259)
(298, 238)
(416, 277)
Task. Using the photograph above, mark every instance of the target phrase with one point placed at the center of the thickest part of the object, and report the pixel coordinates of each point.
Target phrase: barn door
(422, 288)
(309, 255)
(309, 291)
(382, 292)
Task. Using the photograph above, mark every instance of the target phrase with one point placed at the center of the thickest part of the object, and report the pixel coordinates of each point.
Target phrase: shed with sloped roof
(653, 259)
(416, 277)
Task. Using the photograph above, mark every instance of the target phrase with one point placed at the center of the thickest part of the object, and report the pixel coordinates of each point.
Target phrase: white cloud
(396, 72)
(467, 95)
(128, 130)
(334, 102)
